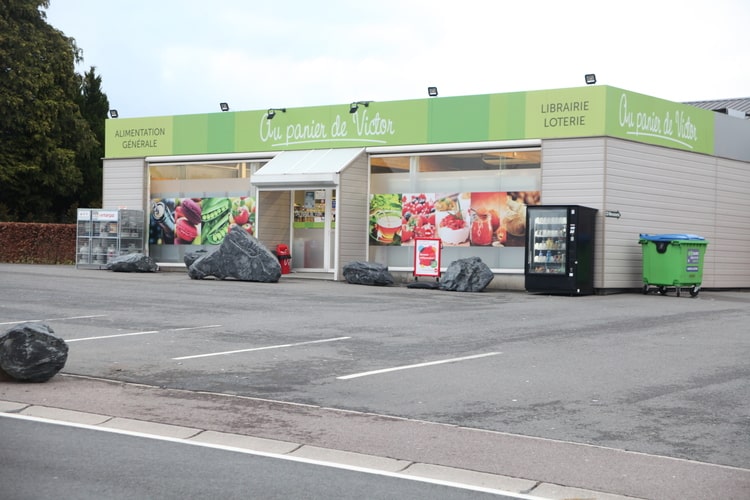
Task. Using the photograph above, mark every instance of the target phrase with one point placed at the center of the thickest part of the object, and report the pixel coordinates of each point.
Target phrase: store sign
(566, 113)
(104, 215)
(366, 127)
(126, 138)
(427, 257)
(590, 111)
(376, 124)
(655, 121)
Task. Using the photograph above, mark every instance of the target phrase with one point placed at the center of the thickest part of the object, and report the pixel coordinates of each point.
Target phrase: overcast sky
(170, 57)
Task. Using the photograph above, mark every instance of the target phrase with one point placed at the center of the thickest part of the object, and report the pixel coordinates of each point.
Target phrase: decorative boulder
(367, 273)
(133, 263)
(241, 257)
(466, 275)
(191, 257)
(31, 352)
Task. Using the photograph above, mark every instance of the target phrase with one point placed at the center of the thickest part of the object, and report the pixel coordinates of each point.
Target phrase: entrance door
(313, 229)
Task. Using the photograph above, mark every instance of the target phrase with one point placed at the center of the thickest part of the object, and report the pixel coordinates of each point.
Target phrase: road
(91, 464)
(661, 376)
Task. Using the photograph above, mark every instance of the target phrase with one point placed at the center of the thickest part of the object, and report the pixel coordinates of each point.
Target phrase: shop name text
(676, 128)
(362, 127)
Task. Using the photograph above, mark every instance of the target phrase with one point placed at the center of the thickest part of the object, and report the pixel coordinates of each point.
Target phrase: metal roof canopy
(311, 167)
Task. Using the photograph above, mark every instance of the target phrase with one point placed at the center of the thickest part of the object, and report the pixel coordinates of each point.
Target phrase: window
(503, 180)
(197, 183)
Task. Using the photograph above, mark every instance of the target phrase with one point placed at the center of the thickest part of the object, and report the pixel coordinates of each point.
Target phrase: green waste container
(672, 261)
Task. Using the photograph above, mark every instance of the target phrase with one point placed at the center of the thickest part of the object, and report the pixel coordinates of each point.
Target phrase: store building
(361, 181)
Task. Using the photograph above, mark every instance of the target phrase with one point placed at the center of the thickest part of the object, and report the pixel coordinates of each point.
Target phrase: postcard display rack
(102, 235)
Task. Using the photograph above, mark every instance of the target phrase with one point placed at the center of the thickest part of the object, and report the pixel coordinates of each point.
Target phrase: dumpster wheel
(694, 290)
(662, 290)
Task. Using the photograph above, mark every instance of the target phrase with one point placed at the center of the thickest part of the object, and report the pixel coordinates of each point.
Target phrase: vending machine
(560, 249)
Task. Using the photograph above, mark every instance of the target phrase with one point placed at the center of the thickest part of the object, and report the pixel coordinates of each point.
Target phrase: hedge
(37, 243)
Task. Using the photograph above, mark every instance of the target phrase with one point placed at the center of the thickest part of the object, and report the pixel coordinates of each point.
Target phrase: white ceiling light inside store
(512, 159)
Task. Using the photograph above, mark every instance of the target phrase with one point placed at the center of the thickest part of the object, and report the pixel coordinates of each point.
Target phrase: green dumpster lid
(671, 237)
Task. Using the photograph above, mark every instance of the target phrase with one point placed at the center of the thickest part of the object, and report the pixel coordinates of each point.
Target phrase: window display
(474, 202)
(197, 203)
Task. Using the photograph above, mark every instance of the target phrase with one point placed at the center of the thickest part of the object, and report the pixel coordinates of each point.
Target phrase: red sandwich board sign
(427, 257)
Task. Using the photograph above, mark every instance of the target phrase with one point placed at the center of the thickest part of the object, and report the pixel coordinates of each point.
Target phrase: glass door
(313, 232)
(547, 240)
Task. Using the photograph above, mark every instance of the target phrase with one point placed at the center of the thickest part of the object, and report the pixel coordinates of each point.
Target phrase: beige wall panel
(658, 190)
(351, 209)
(573, 174)
(728, 253)
(124, 184)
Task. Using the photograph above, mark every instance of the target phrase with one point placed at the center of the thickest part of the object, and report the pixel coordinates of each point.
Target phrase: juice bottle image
(481, 228)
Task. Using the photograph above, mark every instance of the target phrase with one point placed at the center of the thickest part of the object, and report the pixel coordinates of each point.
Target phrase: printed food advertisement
(198, 221)
(496, 219)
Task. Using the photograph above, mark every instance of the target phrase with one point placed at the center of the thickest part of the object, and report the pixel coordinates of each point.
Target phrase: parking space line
(113, 336)
(52, 319)
(193, 328)
(418, 365)
(260, 348)
(143, 333)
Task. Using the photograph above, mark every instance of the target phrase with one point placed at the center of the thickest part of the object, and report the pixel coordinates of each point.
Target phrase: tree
(42, 130)
(94, 106)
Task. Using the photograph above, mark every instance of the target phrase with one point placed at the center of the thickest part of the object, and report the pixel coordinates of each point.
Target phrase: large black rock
(241, 257)
(367, 273)
(191, 257)
(466, 275)
(133, 263)
(31, 352)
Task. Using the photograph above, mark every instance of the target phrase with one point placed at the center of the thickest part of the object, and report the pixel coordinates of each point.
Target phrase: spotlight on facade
(224, 106)
(353, 107)
(113, 113)
(432, 91)
(590, 79)
(272, 112)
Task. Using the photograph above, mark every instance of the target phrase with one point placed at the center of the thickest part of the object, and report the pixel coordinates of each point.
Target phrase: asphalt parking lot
(662, 376)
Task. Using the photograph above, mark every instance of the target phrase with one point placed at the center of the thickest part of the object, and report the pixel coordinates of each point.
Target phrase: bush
(36, 243)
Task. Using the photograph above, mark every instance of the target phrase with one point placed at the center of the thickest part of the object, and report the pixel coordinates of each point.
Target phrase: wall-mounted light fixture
(590, 79)
(224, 106)
(272, 112)
(353, 107)
(432, 91)
(113, 113)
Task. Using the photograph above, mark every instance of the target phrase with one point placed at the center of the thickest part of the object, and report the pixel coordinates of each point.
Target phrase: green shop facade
(363, 181)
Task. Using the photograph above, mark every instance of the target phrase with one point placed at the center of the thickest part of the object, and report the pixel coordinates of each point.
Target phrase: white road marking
(278, 456)
(52, 319)
(193, 328)
(418, 365)
(260, 348)
(113, 336)
(142, 333)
